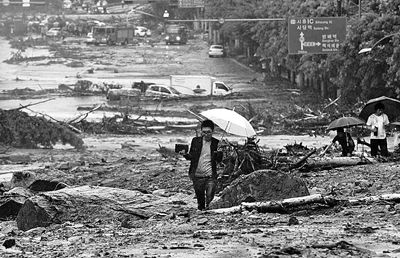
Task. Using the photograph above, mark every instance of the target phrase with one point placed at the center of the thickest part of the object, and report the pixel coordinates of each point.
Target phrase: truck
(175, 34)
(199, 85)
(112, 35)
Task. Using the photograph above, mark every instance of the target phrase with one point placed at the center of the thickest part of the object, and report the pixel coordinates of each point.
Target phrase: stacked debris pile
(18, 129)
(241, 160)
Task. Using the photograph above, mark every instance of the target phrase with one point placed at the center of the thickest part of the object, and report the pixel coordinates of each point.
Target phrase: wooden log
(338, 161)
(371, 199)
(280, 206)
(88, 203)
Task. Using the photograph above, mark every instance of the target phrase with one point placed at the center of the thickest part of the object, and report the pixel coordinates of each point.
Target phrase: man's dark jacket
(195, 152)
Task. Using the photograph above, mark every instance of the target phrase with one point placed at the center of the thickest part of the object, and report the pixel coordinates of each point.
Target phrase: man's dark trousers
(204, 188)
(381, 144)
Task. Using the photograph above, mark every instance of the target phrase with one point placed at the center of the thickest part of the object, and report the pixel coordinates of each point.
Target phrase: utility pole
(359, 8)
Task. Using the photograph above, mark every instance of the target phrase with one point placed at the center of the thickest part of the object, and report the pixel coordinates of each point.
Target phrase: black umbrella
(392, 107)
(345, 122)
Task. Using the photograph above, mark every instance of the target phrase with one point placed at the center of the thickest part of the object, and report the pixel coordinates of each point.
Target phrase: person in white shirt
(377, 123)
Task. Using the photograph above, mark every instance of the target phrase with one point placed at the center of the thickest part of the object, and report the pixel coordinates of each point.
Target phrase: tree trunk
(293, 77)
(301, 81)
(323, 87)
(303, 202)
(88, 203)
(337, 161)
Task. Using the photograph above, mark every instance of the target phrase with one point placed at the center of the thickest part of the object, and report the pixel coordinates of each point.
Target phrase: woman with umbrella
(377, 123)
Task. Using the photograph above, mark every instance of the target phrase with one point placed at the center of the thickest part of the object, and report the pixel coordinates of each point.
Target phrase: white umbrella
(230, 121)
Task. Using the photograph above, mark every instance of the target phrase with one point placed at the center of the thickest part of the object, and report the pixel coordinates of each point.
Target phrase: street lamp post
(369, 49)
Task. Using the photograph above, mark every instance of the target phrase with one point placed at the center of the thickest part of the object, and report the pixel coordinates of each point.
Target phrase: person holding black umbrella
(377, 123)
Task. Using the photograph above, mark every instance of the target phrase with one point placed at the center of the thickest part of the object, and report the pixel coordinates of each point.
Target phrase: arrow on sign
(311, 44)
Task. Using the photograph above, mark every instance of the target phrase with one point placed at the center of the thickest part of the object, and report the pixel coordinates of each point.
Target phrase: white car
(142, 31)
(216, 51)
(53, 32)
(90, 39)
(159, 90)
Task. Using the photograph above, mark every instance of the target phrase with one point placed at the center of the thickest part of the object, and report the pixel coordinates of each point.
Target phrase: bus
(175, 34)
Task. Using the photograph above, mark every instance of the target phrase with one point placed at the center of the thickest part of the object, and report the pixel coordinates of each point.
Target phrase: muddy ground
(368, 230)
(133, 162)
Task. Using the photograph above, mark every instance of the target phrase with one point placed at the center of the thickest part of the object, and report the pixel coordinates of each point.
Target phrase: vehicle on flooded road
(142, 31)
(159, 90)
(216, 51)
(111, 35)
(175, 34)
(199, 85)
(53, 32)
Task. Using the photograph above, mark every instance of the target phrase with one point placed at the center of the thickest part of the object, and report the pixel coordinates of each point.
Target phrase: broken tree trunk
(88, 203)
(284, 205)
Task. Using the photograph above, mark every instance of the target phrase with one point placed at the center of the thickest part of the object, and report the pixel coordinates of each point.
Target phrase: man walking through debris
(203, 156)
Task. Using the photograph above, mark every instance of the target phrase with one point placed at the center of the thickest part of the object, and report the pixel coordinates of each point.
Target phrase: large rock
(12, 201)
(87, 203)
(261, 185)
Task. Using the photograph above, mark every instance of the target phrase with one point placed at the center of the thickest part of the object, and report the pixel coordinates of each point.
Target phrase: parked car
(53, 32)
(142, 31)
(90, 39)
(159, 90)
(216, 51)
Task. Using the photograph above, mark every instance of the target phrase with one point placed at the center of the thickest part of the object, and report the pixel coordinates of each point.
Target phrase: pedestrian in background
(203, 156)
(377, 123)
(345, 141)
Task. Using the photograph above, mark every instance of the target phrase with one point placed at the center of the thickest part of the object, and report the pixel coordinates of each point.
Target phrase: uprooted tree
(18, 129)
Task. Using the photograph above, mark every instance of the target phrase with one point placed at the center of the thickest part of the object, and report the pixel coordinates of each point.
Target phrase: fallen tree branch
(333, 102)
(83, 116)
(33, 104)
(302, 160)
(284, 205)
(55, 120)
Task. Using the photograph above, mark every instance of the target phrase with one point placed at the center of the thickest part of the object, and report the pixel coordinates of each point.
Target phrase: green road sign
(320, 35)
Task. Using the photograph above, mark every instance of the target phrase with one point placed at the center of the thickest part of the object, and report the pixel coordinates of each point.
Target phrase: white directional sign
(321, 35)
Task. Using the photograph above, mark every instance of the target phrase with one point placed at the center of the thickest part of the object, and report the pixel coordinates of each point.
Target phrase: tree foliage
(359, 76)
(18, 129)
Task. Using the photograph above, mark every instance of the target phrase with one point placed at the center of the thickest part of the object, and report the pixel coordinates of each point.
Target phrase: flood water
(49, 77)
